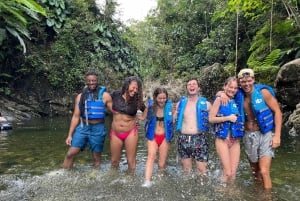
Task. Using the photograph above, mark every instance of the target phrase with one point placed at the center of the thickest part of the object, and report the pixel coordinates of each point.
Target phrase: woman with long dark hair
(124, 132)
(159, 131)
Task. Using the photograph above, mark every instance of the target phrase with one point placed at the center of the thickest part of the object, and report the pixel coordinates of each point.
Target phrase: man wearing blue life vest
(87, 124)
(192, 124)
(263, 120)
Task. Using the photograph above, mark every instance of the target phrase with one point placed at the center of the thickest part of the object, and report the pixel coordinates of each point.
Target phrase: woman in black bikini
(124, 132)
(159, 131)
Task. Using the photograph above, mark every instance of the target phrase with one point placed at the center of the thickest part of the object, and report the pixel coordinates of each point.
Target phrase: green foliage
(149, 51)
(87, 41)
(272, 57)
(184, 37)
(14, 16)
(251, 9)
(266, 71)
(172, 34)
(260, 47)
(266, 74)
(57, 13)
(4, 77)
(178, 40)
(218, 47)
(113, 48)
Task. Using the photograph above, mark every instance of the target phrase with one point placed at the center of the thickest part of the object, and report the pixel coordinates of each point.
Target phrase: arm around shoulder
(224, 98)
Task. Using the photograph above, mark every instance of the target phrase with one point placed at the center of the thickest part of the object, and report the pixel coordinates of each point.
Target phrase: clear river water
(32, 153)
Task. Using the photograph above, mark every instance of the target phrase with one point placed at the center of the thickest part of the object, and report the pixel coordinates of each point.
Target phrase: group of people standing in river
(242, 110)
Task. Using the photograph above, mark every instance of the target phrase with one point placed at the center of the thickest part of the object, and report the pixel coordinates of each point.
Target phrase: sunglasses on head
(246, 74)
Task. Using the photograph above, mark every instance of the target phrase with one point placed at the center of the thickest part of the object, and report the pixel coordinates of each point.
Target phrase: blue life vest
(94, 109)
(236, 128)
(201, 111)
(151, 121)
(263, 114)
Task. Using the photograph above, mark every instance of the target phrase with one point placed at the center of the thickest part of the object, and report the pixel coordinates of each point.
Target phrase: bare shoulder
(270, 100)
(107, 99)
(106, 96)
(209, 105)
(217, 102)
(77, 99)
(268, 96)
(266, 92)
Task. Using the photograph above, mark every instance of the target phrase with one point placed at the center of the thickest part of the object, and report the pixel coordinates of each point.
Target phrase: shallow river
(32, 153)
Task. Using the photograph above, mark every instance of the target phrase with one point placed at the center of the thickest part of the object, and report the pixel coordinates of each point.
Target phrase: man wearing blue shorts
(87, 124)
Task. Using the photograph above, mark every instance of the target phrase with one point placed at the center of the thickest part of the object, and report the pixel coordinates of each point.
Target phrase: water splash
(86, 183)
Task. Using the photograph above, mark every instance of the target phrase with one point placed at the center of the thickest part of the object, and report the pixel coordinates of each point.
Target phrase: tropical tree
(57, 12)
(14, 16)
(88, 38)
(172, 31)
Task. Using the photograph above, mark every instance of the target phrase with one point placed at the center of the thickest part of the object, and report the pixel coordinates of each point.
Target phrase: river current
(32, 153)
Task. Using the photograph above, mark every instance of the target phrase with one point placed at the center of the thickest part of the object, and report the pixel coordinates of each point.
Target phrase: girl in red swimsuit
(160, 142)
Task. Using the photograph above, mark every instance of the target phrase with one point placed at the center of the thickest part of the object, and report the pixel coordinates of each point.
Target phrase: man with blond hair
(263, 121)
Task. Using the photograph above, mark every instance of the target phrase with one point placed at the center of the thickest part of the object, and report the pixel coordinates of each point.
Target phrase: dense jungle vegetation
(56, 41)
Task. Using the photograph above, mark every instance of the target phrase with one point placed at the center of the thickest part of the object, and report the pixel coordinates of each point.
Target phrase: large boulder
(287, 84)
(174, 87)
(211, 80)
(294, 122)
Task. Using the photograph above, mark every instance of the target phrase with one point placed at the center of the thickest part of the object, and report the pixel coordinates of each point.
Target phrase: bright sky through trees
(132, 9)
(135, 9)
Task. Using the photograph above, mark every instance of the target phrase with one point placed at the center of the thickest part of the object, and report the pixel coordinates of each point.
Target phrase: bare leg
(224, 155)
(234, 152)
(255, 171)
(70, 157)
(131, 148)
(152, 149)
(97, 159)
(187, 165)
(163, 155)
(116, 146)
(264, 166)
(201, 167)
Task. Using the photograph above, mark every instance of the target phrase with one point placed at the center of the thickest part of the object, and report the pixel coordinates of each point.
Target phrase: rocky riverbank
(21, 106)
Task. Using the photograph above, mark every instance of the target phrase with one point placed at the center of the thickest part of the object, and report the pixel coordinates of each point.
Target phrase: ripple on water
(86, 183)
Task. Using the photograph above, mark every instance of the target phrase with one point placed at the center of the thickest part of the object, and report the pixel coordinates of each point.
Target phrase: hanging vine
(292, 9)
(271, 26)
(236, 39)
